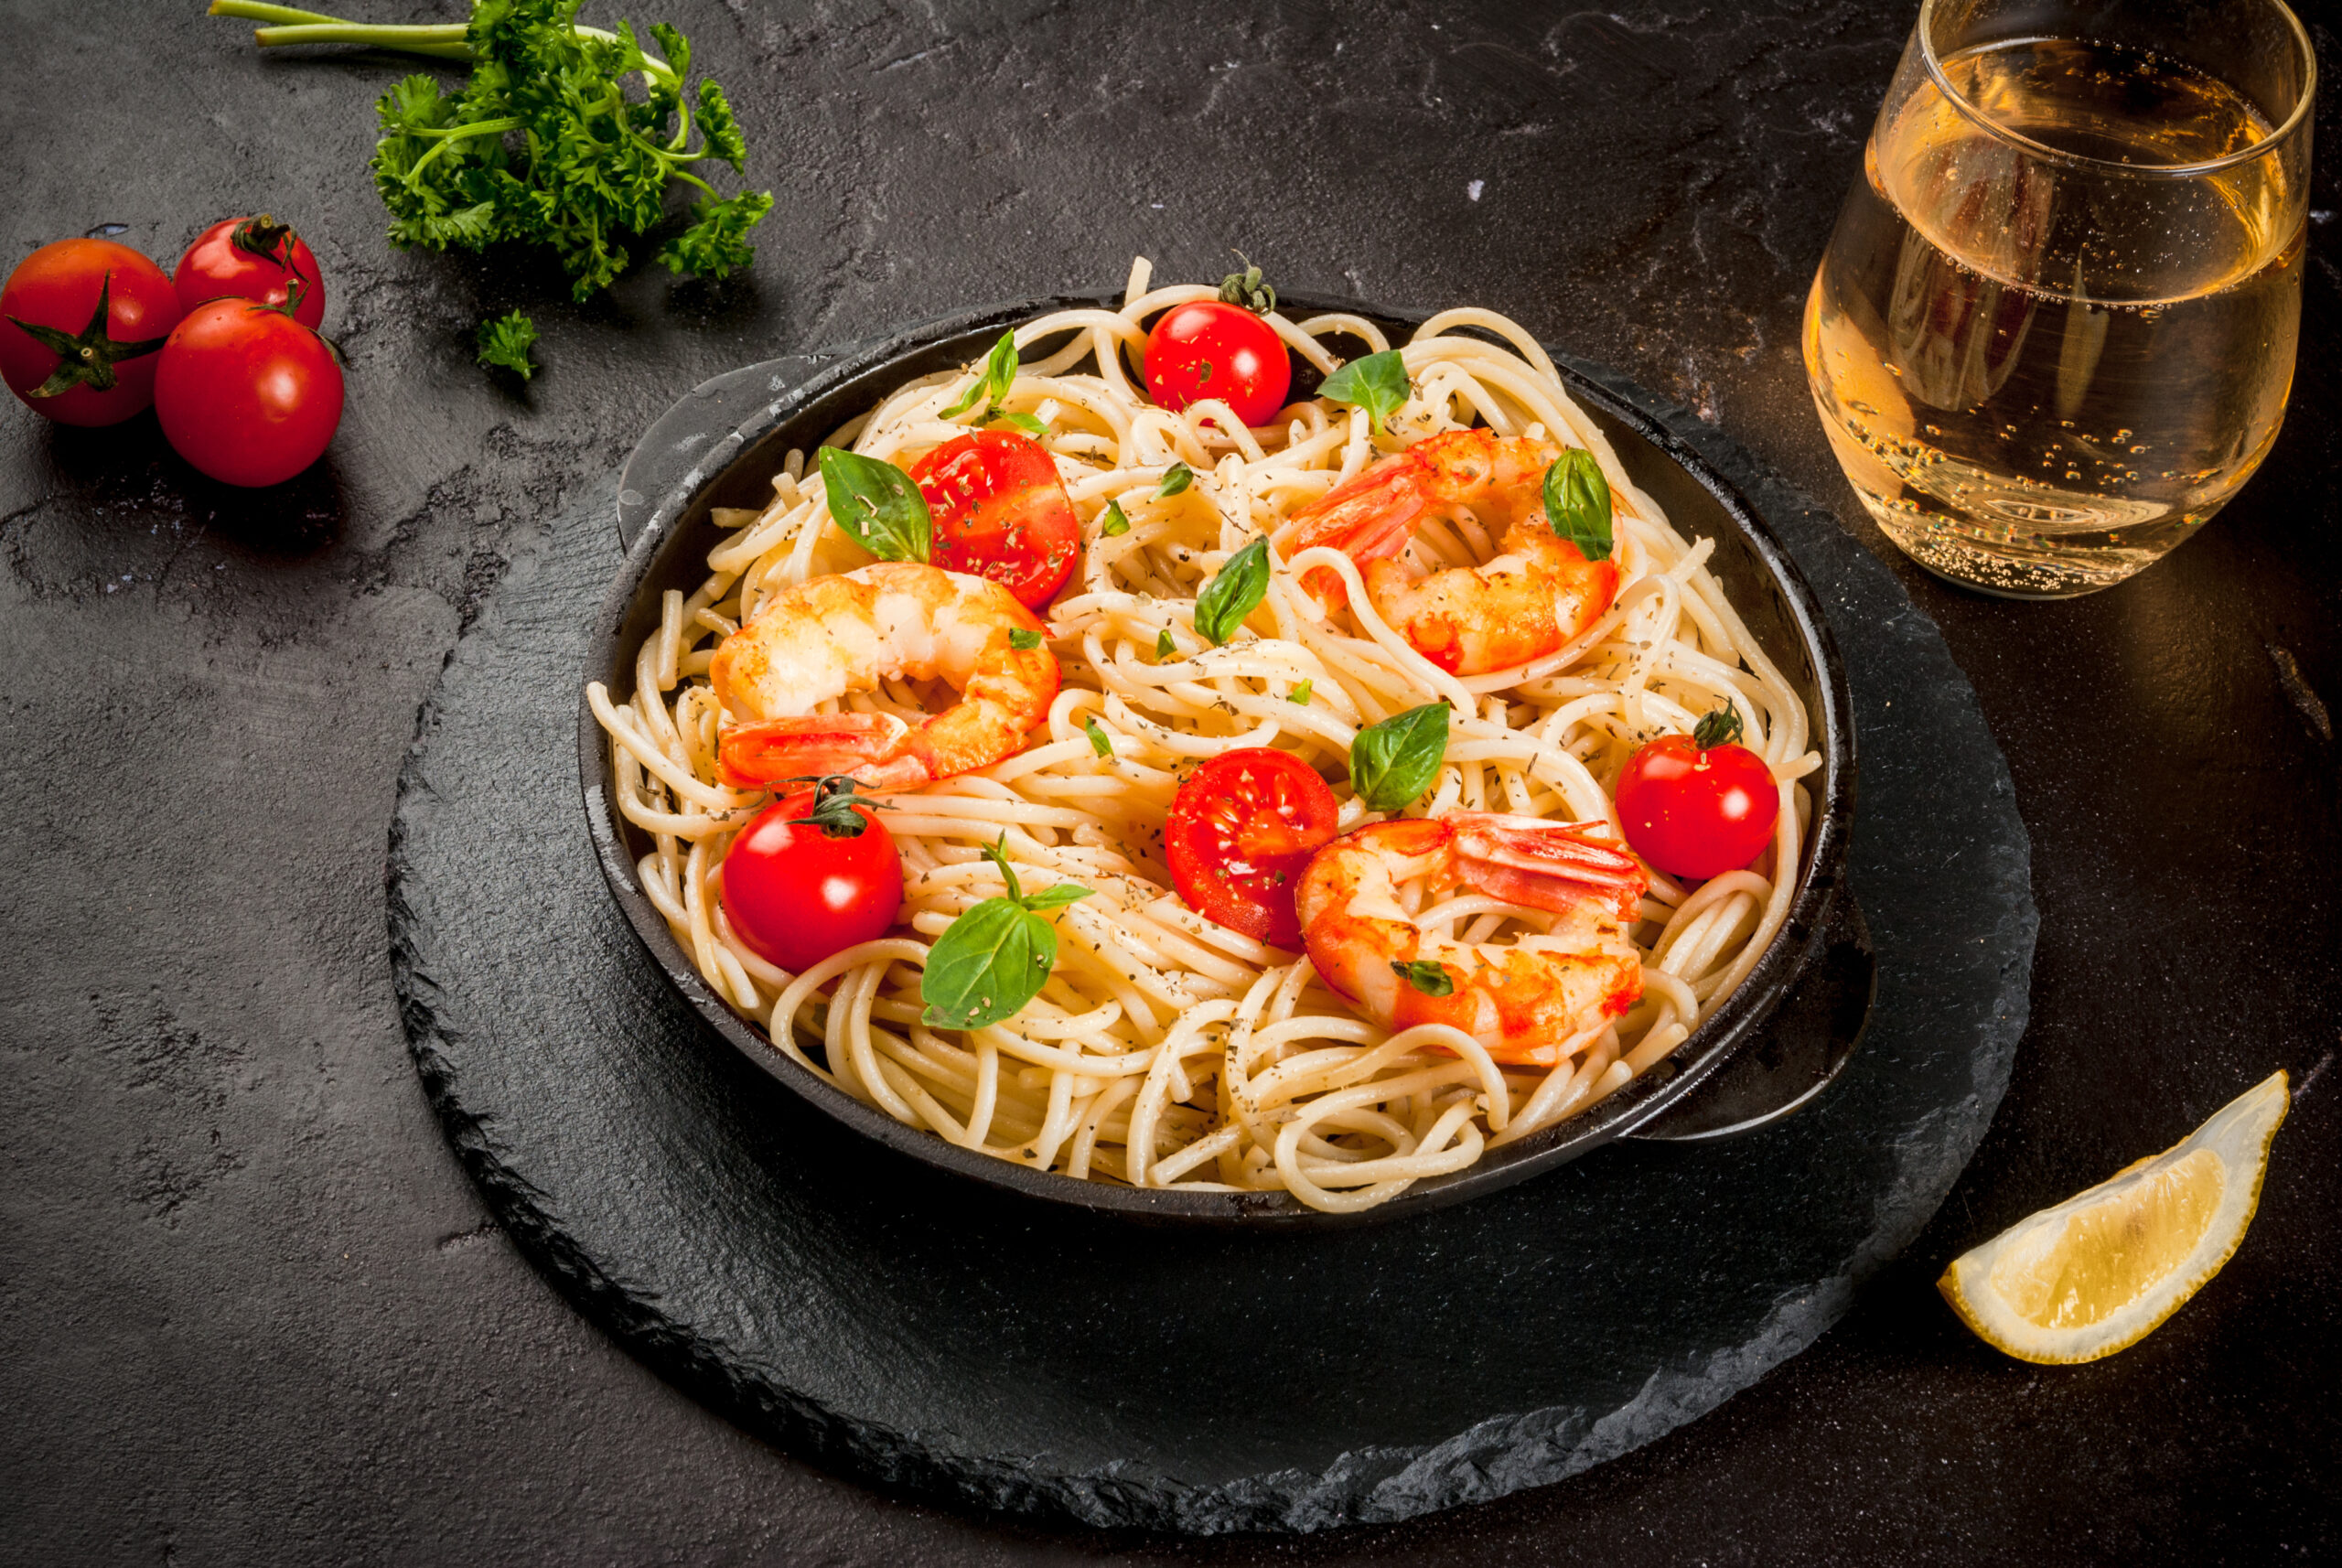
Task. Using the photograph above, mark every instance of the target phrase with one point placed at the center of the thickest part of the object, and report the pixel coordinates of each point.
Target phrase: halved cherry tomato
(802, 882)
(246, 393)
(65, 359)
(1698, 810)
(251, 258)
(1242, 828)
(1206, 348)
(1001, 511)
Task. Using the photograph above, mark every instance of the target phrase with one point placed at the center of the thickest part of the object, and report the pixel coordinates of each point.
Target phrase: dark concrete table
(250, 1311)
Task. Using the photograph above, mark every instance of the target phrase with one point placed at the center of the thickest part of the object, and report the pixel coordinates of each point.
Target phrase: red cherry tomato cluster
(226, 350)
(1699, 805)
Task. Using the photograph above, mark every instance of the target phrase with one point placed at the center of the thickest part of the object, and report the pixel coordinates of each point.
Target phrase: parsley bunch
(543, 143)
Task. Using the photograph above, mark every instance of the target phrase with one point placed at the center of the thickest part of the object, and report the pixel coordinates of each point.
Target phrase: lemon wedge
(2100, 1271)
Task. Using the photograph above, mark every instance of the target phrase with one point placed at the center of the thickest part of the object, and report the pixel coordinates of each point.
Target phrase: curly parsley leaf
(877, 505)
(1392, 763)
(1377, 383)
(506, 341)
(1234, 591)
(1577, 503)
(546, 143)
(993, 959)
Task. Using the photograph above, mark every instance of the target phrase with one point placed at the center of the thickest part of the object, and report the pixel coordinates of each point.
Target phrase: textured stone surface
(890, 1320)
(250, 1307)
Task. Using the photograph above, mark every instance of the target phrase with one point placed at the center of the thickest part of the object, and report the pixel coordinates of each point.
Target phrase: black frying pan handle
(1806, 1043)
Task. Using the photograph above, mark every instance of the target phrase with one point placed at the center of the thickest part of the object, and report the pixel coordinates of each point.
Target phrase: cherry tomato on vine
(252, 258)
(1208, 348)
(246, 393)
(1242, 828)
(1000, 512)
(812, 875)
(1699, 805)
(81, 324)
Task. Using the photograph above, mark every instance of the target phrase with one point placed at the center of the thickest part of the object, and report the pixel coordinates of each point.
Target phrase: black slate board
(916, 1334)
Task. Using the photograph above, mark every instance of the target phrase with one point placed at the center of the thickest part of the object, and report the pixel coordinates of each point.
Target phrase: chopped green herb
(1577, 503)
(1099, 740)
(1163, 647)
(1377, 383)
(992, 382)
(1023, 422)
(1178, 478)
(1234, 591)
(1425, 975)
(1024, 639)
(1392, 763)
(877, 505)
(506, 341)
(1115, 524)
(1300, 693)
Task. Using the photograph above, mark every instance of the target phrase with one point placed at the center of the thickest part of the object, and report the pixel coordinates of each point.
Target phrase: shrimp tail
(1546, 865)
(869, 747)
(1369, 519)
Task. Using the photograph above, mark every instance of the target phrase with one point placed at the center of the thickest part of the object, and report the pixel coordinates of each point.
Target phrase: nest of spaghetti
(1477, 968)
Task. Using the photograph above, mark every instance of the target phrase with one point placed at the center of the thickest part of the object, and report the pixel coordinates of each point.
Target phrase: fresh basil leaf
(1300, 693)
(1430, 978)
(986, 965)
(1178, 478)
(992, 383)
(1392, 763)
(1163, 647)
(1577, 503)
(1116, 524)
(1234, 591)
(994, 958)
(877, 505)
(1377, 383)
(1024, 639)
(1024, 423)
(1099, 741)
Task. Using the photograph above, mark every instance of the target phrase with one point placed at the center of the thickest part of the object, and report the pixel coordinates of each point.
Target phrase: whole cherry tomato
(812, 875)
(252, 258)
(246, 393)
(85, 321)
(1242, 828)
(1699, 805)
(1208, 348)
(1000, 512)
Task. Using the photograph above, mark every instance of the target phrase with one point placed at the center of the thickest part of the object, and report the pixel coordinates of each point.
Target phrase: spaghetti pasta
(1164, 1050)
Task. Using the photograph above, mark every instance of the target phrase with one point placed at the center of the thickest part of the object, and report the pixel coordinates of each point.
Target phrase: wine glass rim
(2260, 149)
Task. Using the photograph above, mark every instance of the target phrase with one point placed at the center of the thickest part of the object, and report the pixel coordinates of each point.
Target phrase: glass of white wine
(2054, 330)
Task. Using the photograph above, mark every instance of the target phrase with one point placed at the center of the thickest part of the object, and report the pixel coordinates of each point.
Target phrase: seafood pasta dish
(1112, 762)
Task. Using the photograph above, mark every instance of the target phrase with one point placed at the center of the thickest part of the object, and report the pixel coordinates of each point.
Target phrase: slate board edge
(1493, 1458)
